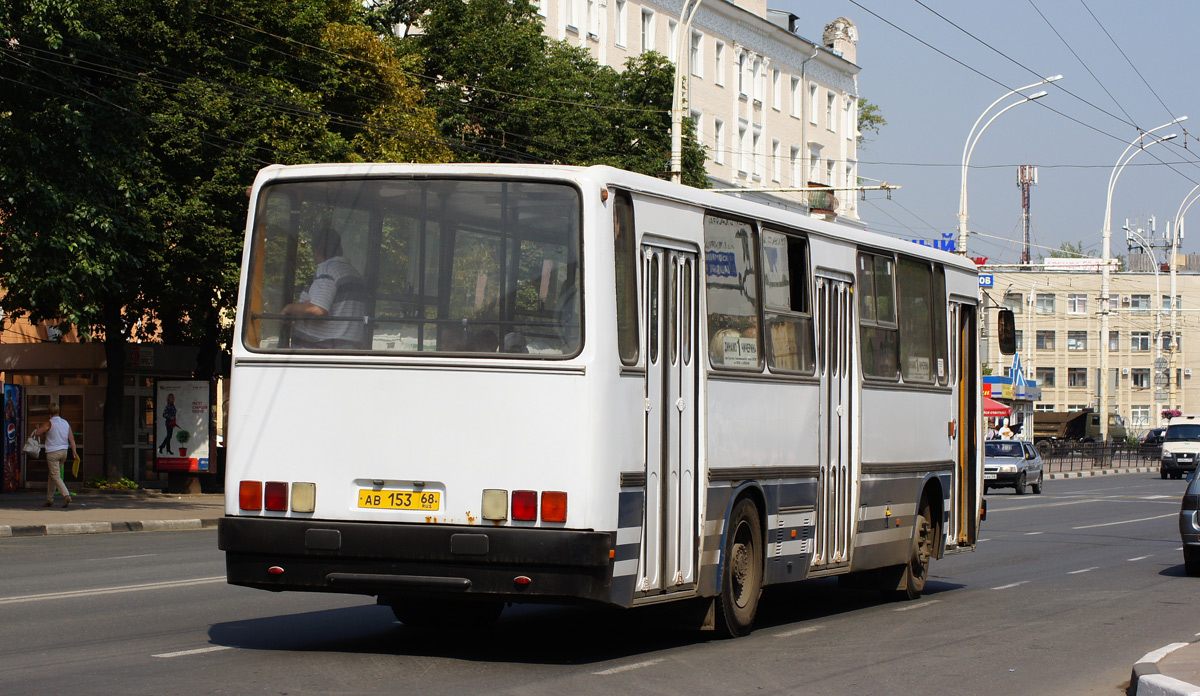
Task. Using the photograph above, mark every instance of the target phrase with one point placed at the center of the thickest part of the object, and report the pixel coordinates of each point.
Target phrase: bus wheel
(741, 577)
(428, 613)
(916, 571)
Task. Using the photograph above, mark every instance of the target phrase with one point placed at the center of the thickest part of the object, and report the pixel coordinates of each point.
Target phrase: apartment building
(772, 108)
(1153, 339)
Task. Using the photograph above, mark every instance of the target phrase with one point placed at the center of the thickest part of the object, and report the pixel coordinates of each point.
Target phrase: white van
(1181, 446)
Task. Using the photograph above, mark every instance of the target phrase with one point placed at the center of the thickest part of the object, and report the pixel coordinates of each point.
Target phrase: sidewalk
(22, 514)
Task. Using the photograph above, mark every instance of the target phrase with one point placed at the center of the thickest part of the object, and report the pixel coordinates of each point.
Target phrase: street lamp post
(1106, 260)
(1176, 235)
(969, 147)
(1130, 235)
(682, 43)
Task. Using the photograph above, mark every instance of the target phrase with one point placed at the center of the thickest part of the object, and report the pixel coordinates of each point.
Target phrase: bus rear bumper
(513, 564)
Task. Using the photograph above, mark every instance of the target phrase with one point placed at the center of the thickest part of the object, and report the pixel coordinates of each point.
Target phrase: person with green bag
(59, 439)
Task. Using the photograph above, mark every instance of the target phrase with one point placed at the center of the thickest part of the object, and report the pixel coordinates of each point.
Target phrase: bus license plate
(400, 500)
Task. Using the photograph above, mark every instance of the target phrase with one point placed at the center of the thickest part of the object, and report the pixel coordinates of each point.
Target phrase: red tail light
(250, 495)
(554, 506)
(276, 497)
(524, 505)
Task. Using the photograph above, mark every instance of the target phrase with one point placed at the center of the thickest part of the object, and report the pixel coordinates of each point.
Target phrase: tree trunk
(114, 395)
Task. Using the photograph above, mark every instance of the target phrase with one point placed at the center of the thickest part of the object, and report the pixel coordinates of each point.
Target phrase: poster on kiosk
(182, 425)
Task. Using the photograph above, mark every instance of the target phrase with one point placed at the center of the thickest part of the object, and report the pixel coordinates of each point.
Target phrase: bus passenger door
(669, 306)
(837, 485)
(964, 515)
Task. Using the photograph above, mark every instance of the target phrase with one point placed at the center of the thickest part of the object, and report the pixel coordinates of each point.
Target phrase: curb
(1101, 472)
(30, 530)
(1146, 680)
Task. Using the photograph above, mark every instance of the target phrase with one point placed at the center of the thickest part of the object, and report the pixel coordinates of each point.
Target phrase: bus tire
(742, 572)
(916, 571)
(447, 614)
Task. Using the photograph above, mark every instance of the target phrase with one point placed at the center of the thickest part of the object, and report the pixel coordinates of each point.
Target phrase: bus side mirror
(1006, 329)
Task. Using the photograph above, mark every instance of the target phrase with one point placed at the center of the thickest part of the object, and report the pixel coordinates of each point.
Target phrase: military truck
(1056, 431)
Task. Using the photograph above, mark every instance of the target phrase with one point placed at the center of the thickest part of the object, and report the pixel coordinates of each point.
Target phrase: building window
(758, 154)
(797, 165)
(1045, 340)
(719, 138)
(1076, 303)
(1045, 303)
(622, 23)
(1045, 376)
(1077, 376)
(569, 13)
(797, 99)
(1139, 378)
(1114, 340)
(776, 90)
(1140, 304)
(743, 149)
(1139, 341)
(1018, 334)
(850, 126)
(776, 163)
(1042, 407)
(850, 196)
(1077, 340)
(647, 30)
(759, 75)
(812, 104)
(1014, 301)
(593, 19)
(829, 173)
(814, 161)
(830, 123)
(1139, 416)
(719, 53)
(741, 68)
(697, 54)
(672, 41)
(1166, 341)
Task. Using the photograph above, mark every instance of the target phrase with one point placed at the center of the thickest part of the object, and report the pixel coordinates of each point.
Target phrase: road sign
(986, 280)
(1160, 379)
(1160, 364)
(1160, 395)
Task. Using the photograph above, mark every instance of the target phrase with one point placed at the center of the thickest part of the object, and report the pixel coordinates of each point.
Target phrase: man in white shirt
(337, 290)
(59, 439)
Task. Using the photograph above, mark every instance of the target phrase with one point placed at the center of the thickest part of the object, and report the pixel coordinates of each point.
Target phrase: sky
(1126, 66)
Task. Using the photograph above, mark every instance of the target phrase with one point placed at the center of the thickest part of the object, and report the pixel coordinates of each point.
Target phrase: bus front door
(668, 560)
(965, 506)
(837, 489)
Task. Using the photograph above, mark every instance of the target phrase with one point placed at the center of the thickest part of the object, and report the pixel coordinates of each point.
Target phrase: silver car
(1011, 464)
(1189, 526)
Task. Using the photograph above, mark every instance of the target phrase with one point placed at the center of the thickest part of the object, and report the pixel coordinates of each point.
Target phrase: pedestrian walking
(59, 440)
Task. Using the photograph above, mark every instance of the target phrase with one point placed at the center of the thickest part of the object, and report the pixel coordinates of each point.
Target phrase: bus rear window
(464, 267)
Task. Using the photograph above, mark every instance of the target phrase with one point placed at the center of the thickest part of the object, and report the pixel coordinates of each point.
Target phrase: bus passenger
(337, 290)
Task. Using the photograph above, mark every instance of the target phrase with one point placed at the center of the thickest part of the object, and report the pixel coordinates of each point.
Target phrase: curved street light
(973, 139)
(1175, 237)
(1106, 260)
(683, 43)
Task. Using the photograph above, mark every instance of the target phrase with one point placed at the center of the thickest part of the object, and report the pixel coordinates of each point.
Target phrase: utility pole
(1026, 179)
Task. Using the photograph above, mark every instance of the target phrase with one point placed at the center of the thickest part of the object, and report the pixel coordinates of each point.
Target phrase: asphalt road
(1067, 590)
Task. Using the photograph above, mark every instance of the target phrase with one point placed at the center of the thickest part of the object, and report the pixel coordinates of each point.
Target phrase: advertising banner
(14, 437)
(182, 425)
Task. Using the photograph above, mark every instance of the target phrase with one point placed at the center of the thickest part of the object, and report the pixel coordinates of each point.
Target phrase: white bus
(460, 386)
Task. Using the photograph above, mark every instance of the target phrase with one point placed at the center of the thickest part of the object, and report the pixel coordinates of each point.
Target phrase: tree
(504, 92)
(129, 131)
(870, 120)
(1069, 250)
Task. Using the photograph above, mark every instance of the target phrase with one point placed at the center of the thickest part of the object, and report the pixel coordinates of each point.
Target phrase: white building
(773, 109)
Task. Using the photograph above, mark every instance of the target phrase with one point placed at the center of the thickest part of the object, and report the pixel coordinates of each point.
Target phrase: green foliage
(870, 120)
(182, 436)
(101, 483)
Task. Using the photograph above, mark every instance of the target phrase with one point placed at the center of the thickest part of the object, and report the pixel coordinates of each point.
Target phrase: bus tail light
(495, 504)
(554, 506)
(304, 497)
(524, 506)
(250, 495)
(276, 496)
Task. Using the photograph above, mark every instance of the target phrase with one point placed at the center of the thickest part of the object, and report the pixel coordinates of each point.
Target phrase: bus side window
(731, 274)
(786, 301)
(877, 316)
(625, 254)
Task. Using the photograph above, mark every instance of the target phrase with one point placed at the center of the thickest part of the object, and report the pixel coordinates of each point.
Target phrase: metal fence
(1086, 456)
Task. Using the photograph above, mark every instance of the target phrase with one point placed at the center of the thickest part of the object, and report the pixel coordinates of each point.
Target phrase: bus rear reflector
(250, 495)
(304, 497)
(554, 506)
(524, 506)
(276, 496)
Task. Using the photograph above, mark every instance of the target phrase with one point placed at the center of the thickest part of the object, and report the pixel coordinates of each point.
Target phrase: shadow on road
(535, 634)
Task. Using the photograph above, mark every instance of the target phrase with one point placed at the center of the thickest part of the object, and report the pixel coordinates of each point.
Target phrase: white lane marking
(1143, 519)
(197, 651)
(983, 540)
(1010, 585)
(110, 590)
(1139, 558)
(798, 631)
(1033, 533)
(922, 605)
(122, 558)
(1084, 570)
(627, 668)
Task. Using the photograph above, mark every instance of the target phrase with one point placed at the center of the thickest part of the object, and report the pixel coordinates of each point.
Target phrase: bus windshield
(465, 267)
